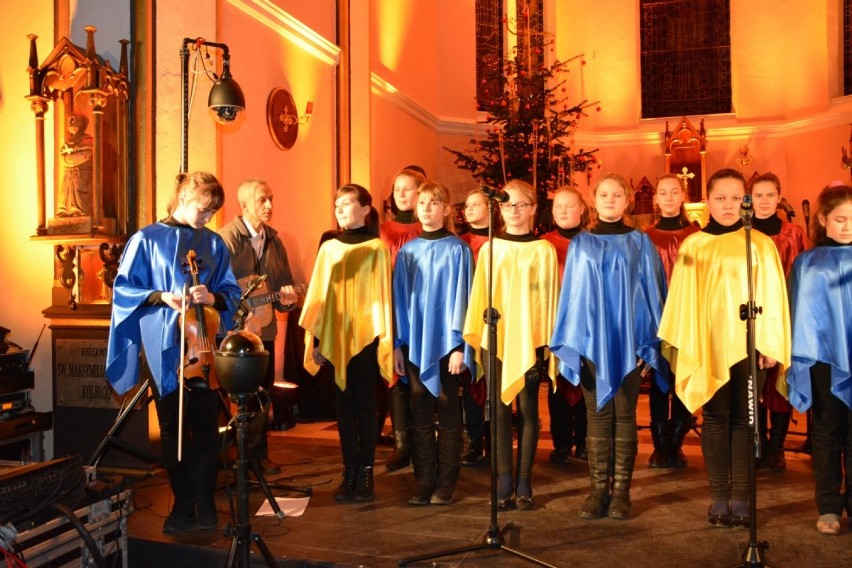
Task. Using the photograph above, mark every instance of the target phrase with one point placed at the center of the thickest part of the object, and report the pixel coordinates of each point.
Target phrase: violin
(200, 324)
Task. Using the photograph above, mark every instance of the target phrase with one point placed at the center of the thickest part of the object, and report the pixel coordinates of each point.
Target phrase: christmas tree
(531, 124)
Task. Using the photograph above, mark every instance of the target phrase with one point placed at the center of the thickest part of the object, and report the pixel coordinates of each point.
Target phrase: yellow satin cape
(348, 305)
(526, 287)
(703, 335)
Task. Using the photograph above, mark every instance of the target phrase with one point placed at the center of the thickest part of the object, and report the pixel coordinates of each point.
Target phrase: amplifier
(13, 361)
(13, 403)
(19, 381)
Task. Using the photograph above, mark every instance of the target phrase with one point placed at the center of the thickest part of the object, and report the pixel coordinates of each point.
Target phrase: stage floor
(669, 527)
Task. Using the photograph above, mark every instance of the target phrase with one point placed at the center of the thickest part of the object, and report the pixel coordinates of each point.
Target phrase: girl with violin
(165, 265)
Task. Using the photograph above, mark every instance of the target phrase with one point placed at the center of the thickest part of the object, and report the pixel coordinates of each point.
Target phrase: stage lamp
(226, 99)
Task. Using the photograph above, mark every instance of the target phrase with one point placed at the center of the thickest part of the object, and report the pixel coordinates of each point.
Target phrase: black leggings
(528, 426)
(616, 420)
(832, 445)
(726, 436)
(356, 409)
(423, 402)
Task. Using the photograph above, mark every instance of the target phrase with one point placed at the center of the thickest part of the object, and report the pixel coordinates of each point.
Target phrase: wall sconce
(745, 157)
(283, 119)
(226, 99)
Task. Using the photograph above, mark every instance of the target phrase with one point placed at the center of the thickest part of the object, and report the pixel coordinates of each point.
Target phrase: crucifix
(685, 175)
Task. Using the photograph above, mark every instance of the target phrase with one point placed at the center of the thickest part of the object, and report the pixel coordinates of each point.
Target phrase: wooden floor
(668, 529)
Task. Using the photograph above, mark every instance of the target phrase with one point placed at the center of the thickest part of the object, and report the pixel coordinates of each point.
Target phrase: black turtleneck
(671, 223)
(829, 242)
(435, 235)
(770, 226)
(170, 221)
(483, 232)
(615, 228)
(405, 217)
(568, 233)
(354, 236)
(715, 228)
(525, 238)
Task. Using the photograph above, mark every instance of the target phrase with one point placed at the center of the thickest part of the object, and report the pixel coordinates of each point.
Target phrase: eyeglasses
(518, 206)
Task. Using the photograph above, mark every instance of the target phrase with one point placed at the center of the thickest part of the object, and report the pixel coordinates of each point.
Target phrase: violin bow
(181, 371)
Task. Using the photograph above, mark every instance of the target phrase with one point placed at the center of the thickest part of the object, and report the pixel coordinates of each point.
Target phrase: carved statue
(75, 195)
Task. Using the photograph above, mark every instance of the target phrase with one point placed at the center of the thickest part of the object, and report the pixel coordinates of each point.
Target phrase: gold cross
(685, 176)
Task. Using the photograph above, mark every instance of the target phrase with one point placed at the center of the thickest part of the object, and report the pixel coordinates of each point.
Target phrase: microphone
(494, 193)
(253, 285)
(806, 208)
(746, 208)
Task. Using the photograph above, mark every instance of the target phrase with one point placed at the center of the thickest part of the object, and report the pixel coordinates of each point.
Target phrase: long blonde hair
(441, 193)
(626, 187)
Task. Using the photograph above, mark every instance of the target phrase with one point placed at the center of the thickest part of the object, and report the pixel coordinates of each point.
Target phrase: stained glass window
(685, 57)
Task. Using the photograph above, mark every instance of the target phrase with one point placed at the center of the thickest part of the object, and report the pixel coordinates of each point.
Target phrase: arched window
(685, 57)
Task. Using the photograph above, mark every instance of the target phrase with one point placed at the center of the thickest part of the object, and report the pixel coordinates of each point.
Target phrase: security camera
(226, 113)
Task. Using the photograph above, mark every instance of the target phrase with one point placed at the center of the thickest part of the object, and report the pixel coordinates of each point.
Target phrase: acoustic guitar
(260, 300)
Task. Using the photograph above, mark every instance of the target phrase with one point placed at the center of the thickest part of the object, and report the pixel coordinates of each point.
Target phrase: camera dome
(241, 362)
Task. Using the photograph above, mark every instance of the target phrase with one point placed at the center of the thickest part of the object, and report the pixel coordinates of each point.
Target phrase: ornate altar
(88, 198)
(642, 212)
(685, 150)
(84, 213)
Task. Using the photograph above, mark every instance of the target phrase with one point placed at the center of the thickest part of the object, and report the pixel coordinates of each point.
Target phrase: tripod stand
(242, 537)
(254, 464)
(753, 554)
(494, 535)
(111, 436)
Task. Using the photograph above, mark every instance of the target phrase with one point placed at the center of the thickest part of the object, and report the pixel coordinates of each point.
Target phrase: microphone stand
(753, 555)
(493, 535)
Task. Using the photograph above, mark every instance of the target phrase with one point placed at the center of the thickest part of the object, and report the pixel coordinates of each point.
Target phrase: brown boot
(625, 458)
(424, 457)
(599, 451)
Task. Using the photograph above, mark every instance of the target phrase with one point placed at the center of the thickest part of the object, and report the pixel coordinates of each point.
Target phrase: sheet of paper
(289, 506)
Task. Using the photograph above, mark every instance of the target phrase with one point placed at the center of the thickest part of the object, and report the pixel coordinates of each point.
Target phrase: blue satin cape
(431, 288)
(153, 261)
(613, 291)
(821, 309)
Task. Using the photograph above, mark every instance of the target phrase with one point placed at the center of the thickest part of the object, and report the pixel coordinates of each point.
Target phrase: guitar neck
(263, 299)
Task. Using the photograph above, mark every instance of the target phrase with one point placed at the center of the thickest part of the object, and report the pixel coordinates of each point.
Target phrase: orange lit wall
(27, 272)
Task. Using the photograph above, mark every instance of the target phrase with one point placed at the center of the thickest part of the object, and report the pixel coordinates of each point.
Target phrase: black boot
(364, 485)
(182, 516)
(399, 407)
(401, 456)
(680, 429)
(661, 456)
(425, 460)
(777, 437)
(473, 453)
(205, 498)
(625, 459)
(346, 490)
(599, 451)
(449, 460)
